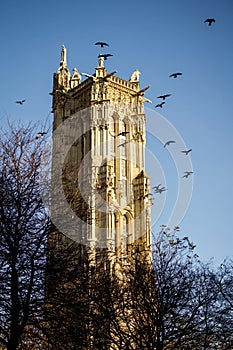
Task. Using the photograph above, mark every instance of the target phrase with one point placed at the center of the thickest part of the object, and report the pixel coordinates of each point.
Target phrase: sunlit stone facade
(99, 136)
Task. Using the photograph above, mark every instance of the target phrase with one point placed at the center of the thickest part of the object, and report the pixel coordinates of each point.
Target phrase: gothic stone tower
(99, 137)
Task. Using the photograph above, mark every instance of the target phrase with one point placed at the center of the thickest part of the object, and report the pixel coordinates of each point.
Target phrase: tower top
(73, 94)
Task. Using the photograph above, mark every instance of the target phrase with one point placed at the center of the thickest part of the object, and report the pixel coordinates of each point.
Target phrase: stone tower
(99, 137)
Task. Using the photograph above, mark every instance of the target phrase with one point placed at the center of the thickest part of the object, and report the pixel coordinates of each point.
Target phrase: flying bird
(42, 133)
(20, 101)
(187, 173)
(123, 133)
(160, 105)
(101, 43)
(175, 75)
(105, 55)
(148, 195)
(209, 21)
(187, 151)
(123, 144)
(156, 187)
(163, 96)
(160, 190)
(169, 142)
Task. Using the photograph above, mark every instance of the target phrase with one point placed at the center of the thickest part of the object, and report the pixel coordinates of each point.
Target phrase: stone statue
(101, 61)
(63, 56)
(135, 76)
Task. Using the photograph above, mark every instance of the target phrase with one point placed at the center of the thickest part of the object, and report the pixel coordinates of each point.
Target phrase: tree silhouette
(56, 293)
(23, 230)
(170, 300)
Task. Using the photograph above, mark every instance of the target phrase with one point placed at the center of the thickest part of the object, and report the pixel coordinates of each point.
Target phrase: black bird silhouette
(169, 142)
(42, 133)
(148, 195)
(163, 96)
(209, 21)
(187, 173)
(156, 187)
(160, 105)
(187, 151)
(160, 190)
(105, 55)
(101, 43)
(123, 133)
(123, 144)
(20, 101)
(175, 75)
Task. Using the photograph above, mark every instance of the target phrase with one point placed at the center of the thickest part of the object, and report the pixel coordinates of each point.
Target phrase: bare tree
(166, 300)
(223, 315)
(160, 299)
(67, 295)
(79, 296)
(23, 230)
(63, 296)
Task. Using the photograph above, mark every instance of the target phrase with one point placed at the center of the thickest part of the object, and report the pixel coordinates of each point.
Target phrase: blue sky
(158, 37)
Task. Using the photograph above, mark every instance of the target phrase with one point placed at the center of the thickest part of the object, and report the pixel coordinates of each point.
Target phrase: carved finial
(101, 61)
(76, 78)
(135, 76)
(63, 62)
(76, 74)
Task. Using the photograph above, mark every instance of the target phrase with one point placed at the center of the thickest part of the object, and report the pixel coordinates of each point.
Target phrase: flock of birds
(40, 133)
(158, 188)
(210, 21)
(105, 56)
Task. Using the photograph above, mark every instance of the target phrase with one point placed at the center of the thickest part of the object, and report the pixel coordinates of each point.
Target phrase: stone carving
(76, 78)
(63, 62)
(76, 74)
(138, 136)
(101, 61)
(135, 76)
